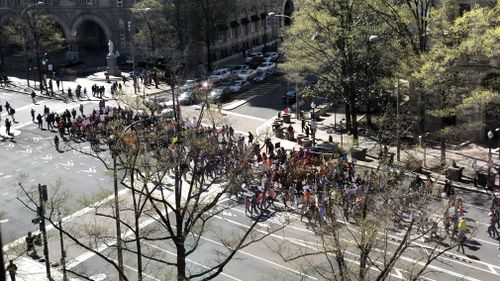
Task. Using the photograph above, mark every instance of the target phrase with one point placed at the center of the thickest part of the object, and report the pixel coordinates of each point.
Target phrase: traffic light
(42, 188)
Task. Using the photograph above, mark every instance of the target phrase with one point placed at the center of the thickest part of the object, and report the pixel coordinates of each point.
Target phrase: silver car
(239, 86)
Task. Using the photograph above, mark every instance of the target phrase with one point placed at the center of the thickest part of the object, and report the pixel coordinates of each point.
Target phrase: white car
(249, 57)
(237, 69)
(248, 74)
(267, 67)
(239, 86)
(220, 75)
(189, 84)
(271, 56)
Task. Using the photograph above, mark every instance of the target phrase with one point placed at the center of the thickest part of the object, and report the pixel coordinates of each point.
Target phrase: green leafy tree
(457, 74)
(37, 33)
(207, 16)
(331, 40)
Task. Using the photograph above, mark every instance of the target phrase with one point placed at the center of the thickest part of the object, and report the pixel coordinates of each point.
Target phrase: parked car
(253, 55)
(219, 75)
(261, 76)
(248, 74)
(190, 84)
(271, 56)
(289, 98)
(186, 97)
(239, 86)
(254, 62)
(237, 69)
(267, 67)
(219, 94)
(167, 113)
(162, 101)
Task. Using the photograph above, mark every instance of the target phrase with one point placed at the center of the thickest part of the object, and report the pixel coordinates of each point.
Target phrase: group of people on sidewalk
(11, 112)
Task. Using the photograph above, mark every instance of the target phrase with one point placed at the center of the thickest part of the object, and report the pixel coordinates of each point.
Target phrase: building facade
(88, 25)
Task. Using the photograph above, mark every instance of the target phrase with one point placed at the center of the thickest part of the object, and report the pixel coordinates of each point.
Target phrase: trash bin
(286, 118)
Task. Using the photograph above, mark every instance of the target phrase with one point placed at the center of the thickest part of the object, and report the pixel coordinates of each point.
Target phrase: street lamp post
(63, 251)
(398, 141)
(490, 138)
(497, 130)
(423, 144)
(113, 148)
(2, 262)
(313, 123)
(342, 132)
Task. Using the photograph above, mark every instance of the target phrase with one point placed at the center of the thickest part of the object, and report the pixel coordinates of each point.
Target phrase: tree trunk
(209, 55)
(181, 261)
(421, 113)
(348, 117)
(352, 103)
(442, 146)
(137, 230)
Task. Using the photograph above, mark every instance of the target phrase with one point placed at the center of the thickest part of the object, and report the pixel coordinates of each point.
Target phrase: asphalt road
(32, 153)
(261, 261)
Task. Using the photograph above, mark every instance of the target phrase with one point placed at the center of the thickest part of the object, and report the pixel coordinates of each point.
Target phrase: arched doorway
(287, 11)
(91, 38)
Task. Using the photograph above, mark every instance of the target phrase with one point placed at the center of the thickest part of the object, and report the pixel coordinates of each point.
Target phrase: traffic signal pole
(42, 191)
(2, 262)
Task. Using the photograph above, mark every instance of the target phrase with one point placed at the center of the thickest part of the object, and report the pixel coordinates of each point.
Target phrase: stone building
(88, 25)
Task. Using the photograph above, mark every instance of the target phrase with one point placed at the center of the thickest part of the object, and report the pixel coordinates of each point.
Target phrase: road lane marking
(189, 260)
(313, 248)
(492, 271)
(134, 269)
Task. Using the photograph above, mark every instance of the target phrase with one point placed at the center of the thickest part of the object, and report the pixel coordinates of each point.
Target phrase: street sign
(490, 163)
(36, 221)
(50, 67)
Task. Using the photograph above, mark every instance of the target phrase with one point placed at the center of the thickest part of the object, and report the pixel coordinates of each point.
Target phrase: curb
(26, 93)
(237, 103)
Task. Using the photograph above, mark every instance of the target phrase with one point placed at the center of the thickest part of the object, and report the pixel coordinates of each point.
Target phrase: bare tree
(371, 239)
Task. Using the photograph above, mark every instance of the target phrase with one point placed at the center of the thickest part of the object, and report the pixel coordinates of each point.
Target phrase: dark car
(261, 77)
(327, 149)
(219, 94)
(254, 62)
(186, 97)
(289, 98)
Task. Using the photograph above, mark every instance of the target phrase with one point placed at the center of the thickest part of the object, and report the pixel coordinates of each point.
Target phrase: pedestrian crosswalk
(259, 90)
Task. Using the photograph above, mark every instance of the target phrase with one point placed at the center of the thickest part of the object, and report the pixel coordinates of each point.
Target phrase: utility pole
(2, 262)
(63, 252)
(117, 216)
(398, 141)
(42, 191)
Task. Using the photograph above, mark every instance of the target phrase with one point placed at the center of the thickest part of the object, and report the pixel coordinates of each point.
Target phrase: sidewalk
(21, 86)
(464, 156)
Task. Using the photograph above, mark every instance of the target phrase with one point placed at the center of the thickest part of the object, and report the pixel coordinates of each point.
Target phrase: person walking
(492, 230)
(56, 142)
(250, 137)
(33, 96)
(303, 124)
(39, 121)
(12, 269)
(32, 115)
(12, 111)
(462, 239)
(8, 124)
